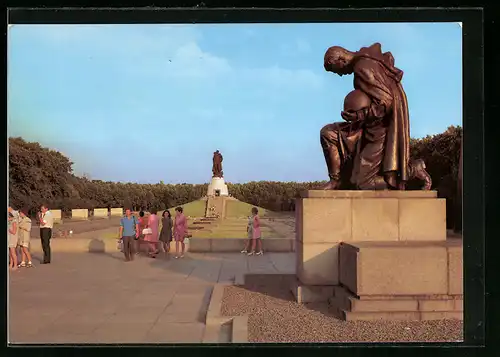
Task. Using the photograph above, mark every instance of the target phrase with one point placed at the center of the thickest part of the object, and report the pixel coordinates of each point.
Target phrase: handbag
(146, 231)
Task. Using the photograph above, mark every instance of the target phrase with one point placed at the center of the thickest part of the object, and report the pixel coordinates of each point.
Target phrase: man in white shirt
(46, 225)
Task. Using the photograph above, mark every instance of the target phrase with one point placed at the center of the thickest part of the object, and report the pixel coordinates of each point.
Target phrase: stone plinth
(101, 213)
(399, 280)
(56, 214)
(116, 212)
(339, 216)
(394, 268)
(217, 187)
(455, 268)
(367, 194)
(324, 219)
(79, 213)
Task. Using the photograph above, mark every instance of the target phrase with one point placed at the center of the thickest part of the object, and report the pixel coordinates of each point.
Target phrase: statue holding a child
(370, 150)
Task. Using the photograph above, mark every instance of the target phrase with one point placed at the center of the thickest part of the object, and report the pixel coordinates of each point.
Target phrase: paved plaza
(100, 298)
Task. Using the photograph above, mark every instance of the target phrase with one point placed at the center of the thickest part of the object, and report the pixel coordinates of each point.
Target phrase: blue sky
(145, 103)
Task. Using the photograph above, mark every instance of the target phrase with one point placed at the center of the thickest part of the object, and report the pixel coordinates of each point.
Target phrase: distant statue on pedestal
(217, 165)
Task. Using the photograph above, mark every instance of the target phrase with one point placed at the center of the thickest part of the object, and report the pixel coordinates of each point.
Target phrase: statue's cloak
(376, 75)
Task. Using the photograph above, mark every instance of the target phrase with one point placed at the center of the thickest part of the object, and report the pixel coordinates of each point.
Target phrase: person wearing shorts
(256, 233)
(24, 235)
(12, 240)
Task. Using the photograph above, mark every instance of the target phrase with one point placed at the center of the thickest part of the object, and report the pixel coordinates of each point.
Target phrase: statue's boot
(333, 162)
(391, 180)
(331, 185)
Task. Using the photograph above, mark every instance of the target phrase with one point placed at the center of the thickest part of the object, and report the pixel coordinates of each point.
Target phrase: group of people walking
(19, 236)
(135, 232)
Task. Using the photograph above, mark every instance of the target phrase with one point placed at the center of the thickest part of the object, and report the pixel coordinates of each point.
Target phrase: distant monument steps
(234, 209)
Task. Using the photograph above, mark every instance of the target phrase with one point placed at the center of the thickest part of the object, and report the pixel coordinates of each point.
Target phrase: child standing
(254, 232)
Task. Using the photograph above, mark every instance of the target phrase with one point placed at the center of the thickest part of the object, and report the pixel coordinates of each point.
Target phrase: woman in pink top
(152, 238)
(139, 240)
(256, 235)
(180, 231)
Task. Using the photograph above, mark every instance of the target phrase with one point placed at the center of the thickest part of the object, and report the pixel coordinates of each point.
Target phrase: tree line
(39, 175)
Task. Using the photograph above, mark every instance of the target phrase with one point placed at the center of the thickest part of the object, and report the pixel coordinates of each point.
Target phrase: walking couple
(178, 229)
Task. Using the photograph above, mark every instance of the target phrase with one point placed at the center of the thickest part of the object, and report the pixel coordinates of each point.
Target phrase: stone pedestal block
(317, 263)
(116, 212)
(101, 212)
(422, 220)
(56, 214)
(395, 307)
(324, 219)
(217, 187)
(79, 213)
(344, 216)
(455, 268)
(400, 268)
(310, 293)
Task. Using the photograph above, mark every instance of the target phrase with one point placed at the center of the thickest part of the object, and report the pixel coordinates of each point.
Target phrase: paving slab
(99, 298)
(119, 332)
(175, 333)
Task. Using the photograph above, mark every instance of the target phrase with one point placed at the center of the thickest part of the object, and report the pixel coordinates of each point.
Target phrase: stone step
(343, 299)
(273, 279)
(353, 304)
(399, 315)
(218, 333)
(226, 333)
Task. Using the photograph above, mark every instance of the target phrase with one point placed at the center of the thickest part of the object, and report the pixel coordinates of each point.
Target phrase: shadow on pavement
(97, 246)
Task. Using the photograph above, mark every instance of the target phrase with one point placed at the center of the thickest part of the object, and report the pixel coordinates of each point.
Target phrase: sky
(150, 103)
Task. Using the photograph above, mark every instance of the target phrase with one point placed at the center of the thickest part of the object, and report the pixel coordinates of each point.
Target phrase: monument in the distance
(364, 243)
(217, 192)
(217, 187)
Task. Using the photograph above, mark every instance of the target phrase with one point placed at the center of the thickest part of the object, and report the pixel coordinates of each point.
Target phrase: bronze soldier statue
(217, 164)
(371, 149)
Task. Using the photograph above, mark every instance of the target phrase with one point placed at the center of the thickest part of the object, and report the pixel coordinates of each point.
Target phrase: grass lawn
(192, 209)
(236, 209)
(231, 228)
